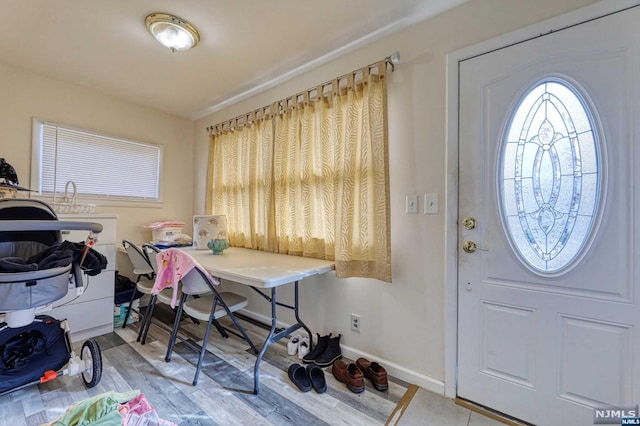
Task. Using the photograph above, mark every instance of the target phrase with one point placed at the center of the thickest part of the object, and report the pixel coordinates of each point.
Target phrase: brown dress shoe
(375, 372)
(349, 375)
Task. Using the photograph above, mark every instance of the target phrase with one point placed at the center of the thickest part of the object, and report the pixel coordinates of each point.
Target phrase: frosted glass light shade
(172, 32)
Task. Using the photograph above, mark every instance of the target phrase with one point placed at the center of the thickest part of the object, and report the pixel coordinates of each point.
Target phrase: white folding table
(261, 271)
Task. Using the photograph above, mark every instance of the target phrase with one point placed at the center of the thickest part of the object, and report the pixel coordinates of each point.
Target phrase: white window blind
(101, 166)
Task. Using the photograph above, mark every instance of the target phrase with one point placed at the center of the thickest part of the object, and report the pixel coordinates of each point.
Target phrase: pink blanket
(139, 412)
(173, 264)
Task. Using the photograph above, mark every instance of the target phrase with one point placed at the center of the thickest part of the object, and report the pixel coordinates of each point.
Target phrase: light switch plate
(412, 204)
(430, 203)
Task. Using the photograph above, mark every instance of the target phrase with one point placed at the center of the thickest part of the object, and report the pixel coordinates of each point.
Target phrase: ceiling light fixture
(172, 32)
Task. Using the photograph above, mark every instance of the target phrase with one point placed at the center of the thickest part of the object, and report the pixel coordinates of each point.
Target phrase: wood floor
(223, 395)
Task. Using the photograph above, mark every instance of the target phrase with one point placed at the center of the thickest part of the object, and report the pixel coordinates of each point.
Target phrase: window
(550, 177)
(101, 166)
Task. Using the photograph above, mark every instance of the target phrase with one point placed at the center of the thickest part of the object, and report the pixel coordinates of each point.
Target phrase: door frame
(554, 24)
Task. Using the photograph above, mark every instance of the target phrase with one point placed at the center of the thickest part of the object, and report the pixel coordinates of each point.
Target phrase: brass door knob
(469, 246)
(469, 223)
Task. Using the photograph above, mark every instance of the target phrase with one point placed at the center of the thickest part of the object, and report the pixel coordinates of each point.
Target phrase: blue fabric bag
(27, 352)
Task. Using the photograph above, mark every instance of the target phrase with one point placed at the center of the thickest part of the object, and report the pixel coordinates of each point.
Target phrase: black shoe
(331, 354)
(318, 349)
(316, 375)
(298, 375)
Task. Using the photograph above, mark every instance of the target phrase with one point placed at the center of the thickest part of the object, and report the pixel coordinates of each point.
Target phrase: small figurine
(218, 245)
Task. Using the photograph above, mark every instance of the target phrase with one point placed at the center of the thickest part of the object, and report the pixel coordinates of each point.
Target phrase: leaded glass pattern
(550, 176)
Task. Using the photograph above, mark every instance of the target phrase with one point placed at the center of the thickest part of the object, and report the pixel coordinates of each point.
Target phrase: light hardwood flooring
(224, 395)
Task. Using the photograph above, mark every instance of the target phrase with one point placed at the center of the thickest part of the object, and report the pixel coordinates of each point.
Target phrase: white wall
(403, 322)
(26, 95)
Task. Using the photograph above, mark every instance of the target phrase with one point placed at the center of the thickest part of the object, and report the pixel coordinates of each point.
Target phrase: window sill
(106, 202)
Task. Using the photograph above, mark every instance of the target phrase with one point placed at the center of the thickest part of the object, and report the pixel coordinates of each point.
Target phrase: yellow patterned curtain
(304, 175)
(311, 180)
(241, 167)
(332, 180)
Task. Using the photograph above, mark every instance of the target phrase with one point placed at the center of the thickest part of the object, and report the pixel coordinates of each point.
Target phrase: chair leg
(220, 328)
(143, 319)
(235, 321)
(204, 347)
(174, 332)
(133, 296)
(244, 333)
(148, 315)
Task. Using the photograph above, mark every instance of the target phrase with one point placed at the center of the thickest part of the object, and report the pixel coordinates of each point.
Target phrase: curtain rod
(391, 60)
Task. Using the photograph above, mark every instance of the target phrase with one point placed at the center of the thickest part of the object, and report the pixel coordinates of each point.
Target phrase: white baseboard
(398, 371)
(395, 370)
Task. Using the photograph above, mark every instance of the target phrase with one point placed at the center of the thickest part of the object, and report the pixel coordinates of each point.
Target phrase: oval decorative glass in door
(550, 177)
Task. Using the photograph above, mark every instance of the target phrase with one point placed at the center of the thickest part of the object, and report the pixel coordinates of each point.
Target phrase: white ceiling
(104, 44)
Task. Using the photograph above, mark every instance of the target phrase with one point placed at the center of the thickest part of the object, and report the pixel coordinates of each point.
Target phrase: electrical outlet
(355, 322)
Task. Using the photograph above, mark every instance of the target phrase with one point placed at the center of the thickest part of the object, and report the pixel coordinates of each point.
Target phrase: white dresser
(91, 313)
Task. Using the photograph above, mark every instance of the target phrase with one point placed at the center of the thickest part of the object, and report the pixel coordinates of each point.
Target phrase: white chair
(150, 251)
(142, 269)
(209, 307)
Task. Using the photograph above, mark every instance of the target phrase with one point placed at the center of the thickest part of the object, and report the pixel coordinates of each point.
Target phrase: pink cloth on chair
(173, 264)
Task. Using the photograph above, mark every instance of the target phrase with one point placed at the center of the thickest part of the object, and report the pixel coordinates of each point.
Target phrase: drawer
(110, 253)
(107, 236)
(86, 315)
(101, 285)
(95, 287)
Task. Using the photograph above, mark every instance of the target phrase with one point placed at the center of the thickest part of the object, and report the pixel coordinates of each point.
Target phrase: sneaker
(303, 347)
(292, 346)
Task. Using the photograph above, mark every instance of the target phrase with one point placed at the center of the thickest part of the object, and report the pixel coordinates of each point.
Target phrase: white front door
(548, 313)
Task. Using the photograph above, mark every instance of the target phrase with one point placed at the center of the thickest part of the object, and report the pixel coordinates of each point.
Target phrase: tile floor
(429, 409)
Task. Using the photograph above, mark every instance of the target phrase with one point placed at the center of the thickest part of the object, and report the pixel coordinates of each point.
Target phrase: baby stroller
(36, 269)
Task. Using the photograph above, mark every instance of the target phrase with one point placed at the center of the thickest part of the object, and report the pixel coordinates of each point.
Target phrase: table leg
(267, 342)
(296, 305)
(273, 337)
